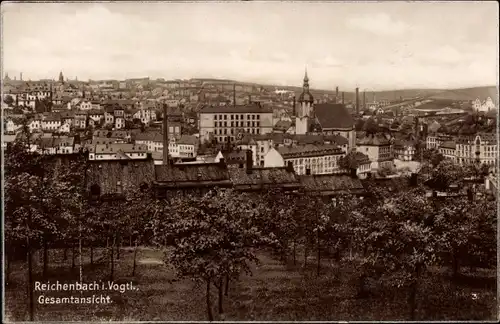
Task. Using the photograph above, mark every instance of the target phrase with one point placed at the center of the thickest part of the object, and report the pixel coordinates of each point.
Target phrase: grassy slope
(274, 292)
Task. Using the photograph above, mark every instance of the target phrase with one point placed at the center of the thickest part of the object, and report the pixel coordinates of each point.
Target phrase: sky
(374, 46)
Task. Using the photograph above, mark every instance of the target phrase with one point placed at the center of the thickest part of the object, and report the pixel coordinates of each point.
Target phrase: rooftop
(249, 108)
(333, 116)
(308, 150)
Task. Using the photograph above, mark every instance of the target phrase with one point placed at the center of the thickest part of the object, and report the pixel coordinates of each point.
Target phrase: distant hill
(467, 94)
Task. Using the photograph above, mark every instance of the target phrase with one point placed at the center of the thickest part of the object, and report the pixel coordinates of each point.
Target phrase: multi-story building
(481, 147)
(404, 150)
(448, 150)
(306, 159)
(378, 149)
(117, 151)
(224, 123)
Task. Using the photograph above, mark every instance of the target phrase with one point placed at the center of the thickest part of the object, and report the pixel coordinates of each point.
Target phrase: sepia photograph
(249, 161)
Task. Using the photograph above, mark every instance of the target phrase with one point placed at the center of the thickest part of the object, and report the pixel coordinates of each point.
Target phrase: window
(225, 117)
(237, 116)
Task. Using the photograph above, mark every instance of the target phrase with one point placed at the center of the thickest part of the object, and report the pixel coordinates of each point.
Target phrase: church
(322, 118)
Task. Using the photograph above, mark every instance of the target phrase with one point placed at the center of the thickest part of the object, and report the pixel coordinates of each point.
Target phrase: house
(119, 122)
(404, 150)
(51, 123)
(117, 151)
(448, 150)
(306, 159)
(80, 121)
(64, 144)
(358, 162)
(235, 159)
(35, 124)
(378, 149)
(187, 146)
(64, 128)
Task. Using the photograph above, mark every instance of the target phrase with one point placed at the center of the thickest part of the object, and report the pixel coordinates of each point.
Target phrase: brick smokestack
(234, 95)
(249, 161)
(357, 100)
(342, 97)
(165, 135)
(294, 106)
(364, 100)
(336, 94)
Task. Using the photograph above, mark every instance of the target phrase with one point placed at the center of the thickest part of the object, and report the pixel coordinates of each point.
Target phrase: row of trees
(215, 237)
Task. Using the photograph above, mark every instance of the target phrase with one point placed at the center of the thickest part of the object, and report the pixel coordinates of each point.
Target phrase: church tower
(61, 77)
(304, 114)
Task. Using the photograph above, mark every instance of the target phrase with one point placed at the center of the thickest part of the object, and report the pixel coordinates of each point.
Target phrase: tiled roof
(249, 108)
(373, 141)
(262, 178)
(108, 175)
(308, 150)
(116, 147)
(333, 116)
(102, 140)
(149, 136)
(327, 184)
(64, 141)
(187, 140)
(191, 174)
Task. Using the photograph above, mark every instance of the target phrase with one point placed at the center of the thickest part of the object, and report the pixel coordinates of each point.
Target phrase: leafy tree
(213, 237)
(371, 127)
(8, 100)
(445, 174)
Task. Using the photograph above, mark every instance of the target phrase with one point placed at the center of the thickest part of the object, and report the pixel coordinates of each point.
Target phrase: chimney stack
(21, 76)
(249, 161)
(294, 107)
(249, 98)
(336, 94)
(342, 97)
(364, 100)
(357, 100)
(234, 95)
(165, 135)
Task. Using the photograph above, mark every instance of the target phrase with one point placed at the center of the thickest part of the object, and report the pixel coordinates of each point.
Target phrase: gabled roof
(333, 116)
(249, 108)
(327, 184)
(376, 140)
(109, 175)
(288, 152)
(263, 178)
(186, 175)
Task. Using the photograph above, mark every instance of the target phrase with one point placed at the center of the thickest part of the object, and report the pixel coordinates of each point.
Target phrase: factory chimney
(342, 97)
(294, 107)
(364, 100)
(165, 135)
(234, 95)
(357, 101)
(336, 94)
(21, 76)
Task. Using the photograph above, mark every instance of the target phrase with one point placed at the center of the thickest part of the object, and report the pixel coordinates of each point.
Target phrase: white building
(117, 151)
(306, 159)
(378, 149)
(224, 123)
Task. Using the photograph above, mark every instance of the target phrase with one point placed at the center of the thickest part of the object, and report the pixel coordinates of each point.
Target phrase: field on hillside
(274, 292)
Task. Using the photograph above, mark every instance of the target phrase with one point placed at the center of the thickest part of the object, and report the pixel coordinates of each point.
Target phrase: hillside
(468, 94)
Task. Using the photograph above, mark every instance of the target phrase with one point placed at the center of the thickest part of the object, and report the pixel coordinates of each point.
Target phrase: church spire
(61, 77)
